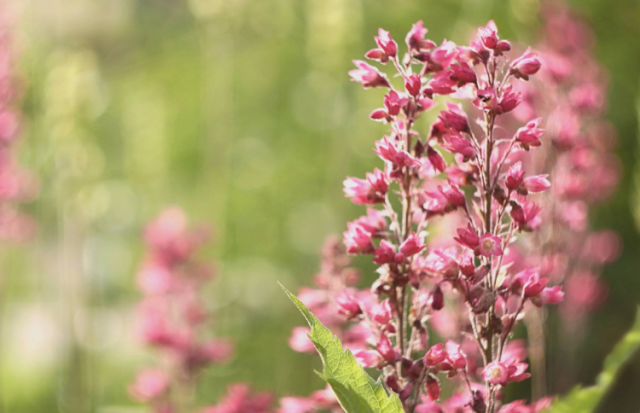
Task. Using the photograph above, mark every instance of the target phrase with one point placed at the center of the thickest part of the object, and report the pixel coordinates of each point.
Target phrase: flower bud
(412, 84)
(386, 43)
(432, 386)
(436, 301)
(526, 65)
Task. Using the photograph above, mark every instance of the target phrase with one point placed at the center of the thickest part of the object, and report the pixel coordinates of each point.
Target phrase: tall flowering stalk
(570, 93)
(470, 176)
(173, 320)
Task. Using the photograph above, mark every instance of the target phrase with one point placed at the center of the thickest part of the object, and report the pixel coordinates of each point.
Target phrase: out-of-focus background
(241, 112)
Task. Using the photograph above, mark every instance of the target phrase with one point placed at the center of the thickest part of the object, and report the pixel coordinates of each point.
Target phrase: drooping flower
(368, 75)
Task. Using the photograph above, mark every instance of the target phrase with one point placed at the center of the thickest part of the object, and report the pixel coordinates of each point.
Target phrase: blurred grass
(242, 112)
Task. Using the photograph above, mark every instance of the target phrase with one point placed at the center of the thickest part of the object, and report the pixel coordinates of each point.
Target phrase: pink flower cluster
(173, 319)
(571, 94)
(16, 183)
(441, 223)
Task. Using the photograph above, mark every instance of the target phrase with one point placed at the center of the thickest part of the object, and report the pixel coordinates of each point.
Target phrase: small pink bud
(436, 300)
(436, 159)
(468, 237)
(412, 245)
(415, 38)
(412, 84)
(504, 46)
(515, 176)
(386, 43)
(379, 115)
(526, 65)
(392, 383)
(377, 54)
(489, 35)
(432, 386)
(386, 350)
(537, 183)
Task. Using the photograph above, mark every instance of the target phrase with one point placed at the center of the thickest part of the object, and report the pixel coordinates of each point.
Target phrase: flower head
(368, 75)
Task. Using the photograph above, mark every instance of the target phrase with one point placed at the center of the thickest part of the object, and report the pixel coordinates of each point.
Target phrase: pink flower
(387, 150)
(490, 245)
(454, 118)
(436, 160)
(527, 217)
(394, 103)
(357, 239)
(455, 143)
(149, 384)
(442, 83)
(528, 282)
(463, 74)
(369, 191)
(367, 358)
(386, 43)
(534, 285)
(454, 196)
(415, 38)
(382, 312)
(443, 55)
(500, 373)
(526, 65)
(530, 134)
(368, 75)
(377, 54)
(412, 84)
(386, 350)
(496, 373)
(435, 355)
(552, 295)
(537, 183)
(488, 35)
(297, 405)
(515, 176)
(385, 254)
(374, 222)
(441, 262)
(300, 342)
(433, 389)
(509, 99)
(412, 245)
(348, 305)
(468, 237)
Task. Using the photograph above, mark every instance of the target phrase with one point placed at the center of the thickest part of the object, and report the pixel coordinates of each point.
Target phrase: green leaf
(356, 391)
(585, 400)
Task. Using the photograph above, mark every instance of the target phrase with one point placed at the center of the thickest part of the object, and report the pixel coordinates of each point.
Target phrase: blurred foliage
(241, 111)
(586, 400)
